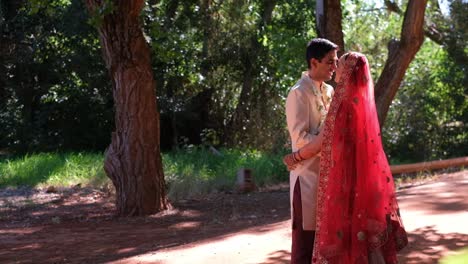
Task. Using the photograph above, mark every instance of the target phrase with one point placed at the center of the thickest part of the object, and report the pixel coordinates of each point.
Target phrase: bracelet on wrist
(296, 157)
(299, 155)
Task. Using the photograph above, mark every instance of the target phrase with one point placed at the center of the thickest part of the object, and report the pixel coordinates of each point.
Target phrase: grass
(58, 169)
(198, 171)
(188, 172)
(460, 257)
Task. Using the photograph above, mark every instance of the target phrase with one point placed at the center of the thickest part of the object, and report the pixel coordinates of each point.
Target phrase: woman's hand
(291, 160)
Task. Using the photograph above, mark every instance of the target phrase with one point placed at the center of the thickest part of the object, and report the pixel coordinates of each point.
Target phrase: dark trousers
(302, 240)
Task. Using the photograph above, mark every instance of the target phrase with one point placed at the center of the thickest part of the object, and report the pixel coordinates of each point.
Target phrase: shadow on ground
(80, 226)
(278, 257)
(427, 246)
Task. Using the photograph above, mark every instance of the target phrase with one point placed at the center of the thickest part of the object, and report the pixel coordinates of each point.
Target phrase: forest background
(222, 73)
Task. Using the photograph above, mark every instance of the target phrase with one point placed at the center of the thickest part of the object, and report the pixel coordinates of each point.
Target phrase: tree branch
(400, 55)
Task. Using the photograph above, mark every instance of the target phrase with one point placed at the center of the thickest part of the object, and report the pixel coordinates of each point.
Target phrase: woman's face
(339, 70)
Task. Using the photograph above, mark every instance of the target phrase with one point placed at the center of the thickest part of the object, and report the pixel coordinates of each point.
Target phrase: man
(306, 108)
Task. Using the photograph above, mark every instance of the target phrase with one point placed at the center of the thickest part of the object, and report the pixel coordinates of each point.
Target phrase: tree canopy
(222, 71)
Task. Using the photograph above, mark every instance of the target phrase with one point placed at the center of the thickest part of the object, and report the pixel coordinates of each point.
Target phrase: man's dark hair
(317, 48)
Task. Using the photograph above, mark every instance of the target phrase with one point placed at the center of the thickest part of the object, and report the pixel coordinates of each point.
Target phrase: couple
(348, 214)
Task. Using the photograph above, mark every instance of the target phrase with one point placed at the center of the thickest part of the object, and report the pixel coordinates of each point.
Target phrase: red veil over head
(357, 211)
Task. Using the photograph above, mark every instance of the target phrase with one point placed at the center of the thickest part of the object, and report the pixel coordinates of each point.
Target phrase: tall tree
(133, 159)
(400, 54)
(328, 19)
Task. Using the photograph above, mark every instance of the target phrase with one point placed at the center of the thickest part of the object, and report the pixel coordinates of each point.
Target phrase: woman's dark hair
(317, 48)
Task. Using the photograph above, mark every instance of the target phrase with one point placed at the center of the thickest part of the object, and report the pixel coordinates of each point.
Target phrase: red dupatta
(357, 210)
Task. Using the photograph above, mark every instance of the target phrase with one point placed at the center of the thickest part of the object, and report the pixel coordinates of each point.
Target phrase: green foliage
(189, 172)
(96, 17)
(460, 257)
(51, 99)
(195, 171)
(368, 28)
(58, 169)
(48, 7)
(427, 119)
(56, 93)
(201, 55)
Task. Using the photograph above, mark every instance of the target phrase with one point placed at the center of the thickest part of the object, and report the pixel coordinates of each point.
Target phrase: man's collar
(318, 85)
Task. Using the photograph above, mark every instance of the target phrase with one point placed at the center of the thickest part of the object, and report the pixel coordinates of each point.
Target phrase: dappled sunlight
(126, 250)
(80, 225)
(221, 228)
(461, 256)
(278, 257)
(245, 246)
(20, 231)
(428, 245)
(451, 196)
(443, 204)
(27, 247)
(185, 225)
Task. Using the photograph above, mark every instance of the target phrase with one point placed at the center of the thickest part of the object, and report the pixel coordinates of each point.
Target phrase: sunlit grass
(460, 257)
(58, 169)
(199, 171)
(188, 172)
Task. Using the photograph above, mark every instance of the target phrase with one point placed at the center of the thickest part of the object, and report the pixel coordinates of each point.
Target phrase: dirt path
(78, 226)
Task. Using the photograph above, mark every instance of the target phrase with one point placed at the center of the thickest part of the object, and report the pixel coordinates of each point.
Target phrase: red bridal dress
(358, 219)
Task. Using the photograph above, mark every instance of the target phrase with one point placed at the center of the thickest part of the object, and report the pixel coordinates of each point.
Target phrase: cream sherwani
(306, 109)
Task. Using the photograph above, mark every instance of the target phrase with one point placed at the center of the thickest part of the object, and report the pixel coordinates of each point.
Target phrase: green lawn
(187, 172)
(461, 257)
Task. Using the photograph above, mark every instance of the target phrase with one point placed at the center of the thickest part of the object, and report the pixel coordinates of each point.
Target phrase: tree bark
(440, 35)
(400, 55)
(133, 159)
(328, 20)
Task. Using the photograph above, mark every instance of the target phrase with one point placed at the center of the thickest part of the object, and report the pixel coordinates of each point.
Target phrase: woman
(358, 219)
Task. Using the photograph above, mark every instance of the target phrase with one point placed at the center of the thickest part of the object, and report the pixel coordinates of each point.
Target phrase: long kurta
(306, 109)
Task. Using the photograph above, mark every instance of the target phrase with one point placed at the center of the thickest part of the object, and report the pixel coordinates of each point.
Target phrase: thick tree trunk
(400, 55)
(328, 20)
(133, 159)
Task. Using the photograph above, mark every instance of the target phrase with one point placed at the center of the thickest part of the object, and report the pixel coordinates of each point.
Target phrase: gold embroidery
(325, 161)
(361, 236)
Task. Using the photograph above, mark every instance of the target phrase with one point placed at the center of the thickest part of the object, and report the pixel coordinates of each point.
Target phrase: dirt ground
(78, 225)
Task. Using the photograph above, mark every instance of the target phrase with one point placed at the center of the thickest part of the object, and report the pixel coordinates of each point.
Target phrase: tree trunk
(400, 55)
(328, 20)
(133, 159)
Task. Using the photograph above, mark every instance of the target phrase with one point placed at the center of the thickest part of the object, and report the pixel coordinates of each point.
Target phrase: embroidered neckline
(321, 104)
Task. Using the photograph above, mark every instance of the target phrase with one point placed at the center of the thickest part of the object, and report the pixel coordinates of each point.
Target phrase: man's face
(339, 70)
(322, 70)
